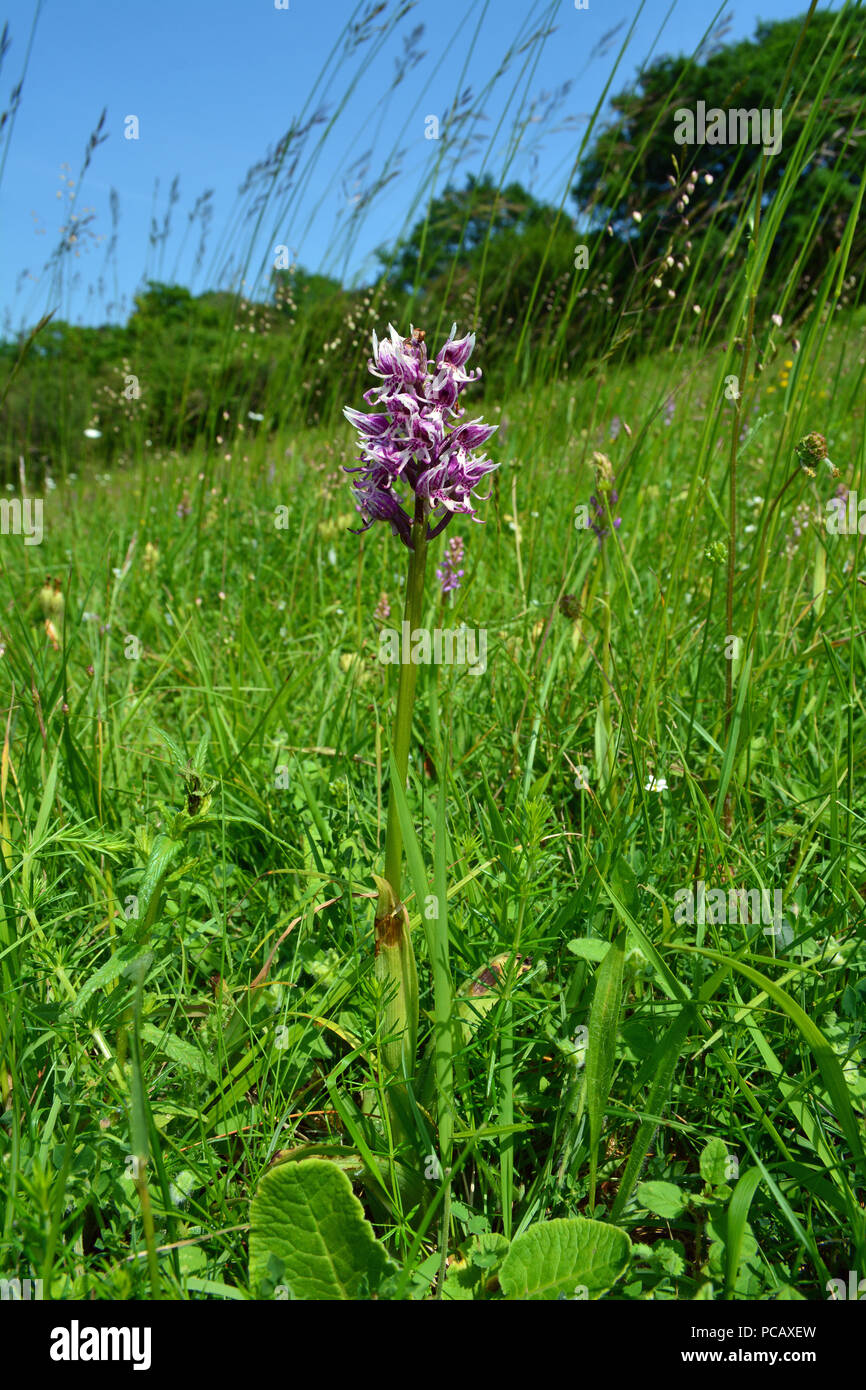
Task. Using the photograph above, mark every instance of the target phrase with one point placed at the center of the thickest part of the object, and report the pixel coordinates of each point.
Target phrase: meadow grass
(264, 638)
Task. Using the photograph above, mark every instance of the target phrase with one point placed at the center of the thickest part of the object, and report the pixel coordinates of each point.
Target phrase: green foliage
(309, 1238)
(636, 167)
(491, 256)
(574, 1258)
(601, 1049)
(459, 227)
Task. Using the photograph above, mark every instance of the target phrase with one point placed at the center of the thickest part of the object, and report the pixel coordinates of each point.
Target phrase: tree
(168, 303)
(637, 176)
(457, 226)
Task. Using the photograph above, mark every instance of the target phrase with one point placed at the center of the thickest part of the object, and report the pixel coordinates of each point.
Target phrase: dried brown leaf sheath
(389, 929)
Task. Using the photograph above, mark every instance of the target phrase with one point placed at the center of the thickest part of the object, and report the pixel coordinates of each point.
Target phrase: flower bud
(811, 450)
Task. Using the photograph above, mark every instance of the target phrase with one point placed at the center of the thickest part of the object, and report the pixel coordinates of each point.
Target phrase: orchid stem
(395, 958)
(406, 695)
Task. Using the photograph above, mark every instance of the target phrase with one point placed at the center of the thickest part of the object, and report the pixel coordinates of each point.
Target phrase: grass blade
(601, 1048)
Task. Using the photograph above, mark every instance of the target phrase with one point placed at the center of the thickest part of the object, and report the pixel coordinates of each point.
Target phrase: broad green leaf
(664, 1198)
(213, 1288)
(163, 853)
(308, 1232)
(118, 964)
(588, 948)
(717, 1231)
(738, 1212)
(180, 1051)
(714, 1163)
(574, 1258)
(669, 1255)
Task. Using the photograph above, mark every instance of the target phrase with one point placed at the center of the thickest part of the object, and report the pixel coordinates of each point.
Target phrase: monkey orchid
(418, 468)
(414, 447)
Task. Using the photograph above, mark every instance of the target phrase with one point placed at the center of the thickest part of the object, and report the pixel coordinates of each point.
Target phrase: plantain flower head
(811, 451)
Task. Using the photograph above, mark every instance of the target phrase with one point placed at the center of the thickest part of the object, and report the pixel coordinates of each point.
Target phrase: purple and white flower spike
(413, 448)
(449, 572)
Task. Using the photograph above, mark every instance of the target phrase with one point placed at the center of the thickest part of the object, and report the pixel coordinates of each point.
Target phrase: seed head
(569, 606)
(811, 450)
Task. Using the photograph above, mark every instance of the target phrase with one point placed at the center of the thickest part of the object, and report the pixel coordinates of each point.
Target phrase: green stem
(506, 1072)
(609, 768)
(395, 958)
(443, 1016)
(727, 813)
(402, 734)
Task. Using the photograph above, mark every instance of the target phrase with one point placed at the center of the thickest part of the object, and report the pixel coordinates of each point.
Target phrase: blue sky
(215, 85)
